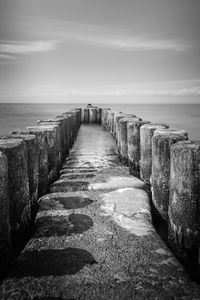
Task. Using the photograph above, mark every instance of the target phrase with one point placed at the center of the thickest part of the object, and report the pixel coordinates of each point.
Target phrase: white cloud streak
(95, 35)
(9, 49)
(129, 43)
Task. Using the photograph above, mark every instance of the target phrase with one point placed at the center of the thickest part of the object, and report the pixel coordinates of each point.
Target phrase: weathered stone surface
(130, 209)
(54, 149)
(104, 117)
(85, 115)
(42, 156)
(114, 115)
(69, 122)
(59, 138)
(19, 200)
(99, 112)
(97, 245)
(92, 115)
(184, 209)
(72, 126)
(161, 143)
(116, 120)
(63, 201)
(4, 215)
(33, 165)
(133, 138)
(117, 182)
(123, 142)
(65, 135)
(146, 134)
(51, 134)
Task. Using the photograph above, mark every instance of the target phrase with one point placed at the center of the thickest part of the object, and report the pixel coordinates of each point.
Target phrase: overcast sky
(99, 49)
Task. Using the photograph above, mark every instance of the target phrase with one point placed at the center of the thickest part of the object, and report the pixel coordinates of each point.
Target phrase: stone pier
(94, 237)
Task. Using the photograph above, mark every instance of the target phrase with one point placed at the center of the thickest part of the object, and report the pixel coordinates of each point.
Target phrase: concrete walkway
(94, 237)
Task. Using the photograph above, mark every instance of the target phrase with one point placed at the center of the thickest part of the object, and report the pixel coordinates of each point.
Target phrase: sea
(177, 116)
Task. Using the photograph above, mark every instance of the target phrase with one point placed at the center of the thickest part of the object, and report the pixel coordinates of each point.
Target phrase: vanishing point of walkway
(94, 237)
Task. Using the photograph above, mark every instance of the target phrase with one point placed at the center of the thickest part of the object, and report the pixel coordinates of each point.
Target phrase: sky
(99, 50)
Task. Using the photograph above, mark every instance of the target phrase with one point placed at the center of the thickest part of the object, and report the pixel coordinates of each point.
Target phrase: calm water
(178, 116)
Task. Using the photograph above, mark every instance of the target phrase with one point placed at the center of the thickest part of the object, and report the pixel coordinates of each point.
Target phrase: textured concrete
(184, 209)
(96, 243)
(161, 143)
(15, 151)
(33, 165)
(146, 135)
(4, 215)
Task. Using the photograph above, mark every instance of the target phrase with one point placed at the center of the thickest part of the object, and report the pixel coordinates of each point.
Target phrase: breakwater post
(30, 160)
(161, 143)
(146, 135)
(5, 248)
(146, 147)
(184, 208)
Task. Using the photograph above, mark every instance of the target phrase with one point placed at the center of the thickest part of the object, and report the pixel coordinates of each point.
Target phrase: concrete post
(51, 138)
(92, 115)
(104, 117)
(123, 142)
(85, 115)
(146, 134)
(15, 151)
(112, 121)
(99, 112)
(59, 139)
(114, 126)
(161, 143)
(33, 166)
(65, 147)
(42, 156)
(184, 208)
(109, 120)
(4, 215)
(70, 125)
(117, 119)
(133, 137)
(55, 145)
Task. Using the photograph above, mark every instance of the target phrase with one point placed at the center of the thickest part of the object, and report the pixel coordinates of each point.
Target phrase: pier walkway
(94, 237)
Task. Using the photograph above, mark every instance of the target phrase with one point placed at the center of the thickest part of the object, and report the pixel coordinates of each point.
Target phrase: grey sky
(100, 49)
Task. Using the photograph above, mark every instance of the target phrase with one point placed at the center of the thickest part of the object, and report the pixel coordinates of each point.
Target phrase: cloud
(112, 38)
(129, 43)
(6, 56)
(9, 49)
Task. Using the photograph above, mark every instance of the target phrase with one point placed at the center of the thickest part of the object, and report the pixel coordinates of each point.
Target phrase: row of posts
(169, 164)
(30, 160)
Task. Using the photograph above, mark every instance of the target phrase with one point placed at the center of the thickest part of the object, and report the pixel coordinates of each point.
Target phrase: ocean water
(177, 116)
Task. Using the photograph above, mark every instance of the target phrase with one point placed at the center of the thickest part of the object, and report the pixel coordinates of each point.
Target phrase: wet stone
(58, 202)
(62, 225)
(57, 262)
(77, 171)
(66, 186)
(77, 176)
